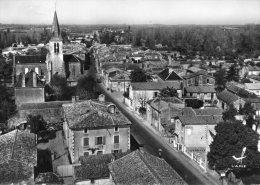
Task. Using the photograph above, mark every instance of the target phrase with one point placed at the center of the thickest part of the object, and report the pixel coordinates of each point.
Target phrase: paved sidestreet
(152, 142)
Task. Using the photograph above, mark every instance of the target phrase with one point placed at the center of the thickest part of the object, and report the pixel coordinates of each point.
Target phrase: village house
(193, 131)
(226, 98)
(150, 170)
(205, 93)
(116, 79)
(198, 79)
(161, 109)
(141, 92)
(169, 75)
(18, 157)
(94, 128)
(29, 88)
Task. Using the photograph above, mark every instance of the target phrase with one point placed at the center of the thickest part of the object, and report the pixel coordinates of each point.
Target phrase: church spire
(55, 30)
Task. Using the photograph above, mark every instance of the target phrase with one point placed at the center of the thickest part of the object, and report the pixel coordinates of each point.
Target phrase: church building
(55, 62)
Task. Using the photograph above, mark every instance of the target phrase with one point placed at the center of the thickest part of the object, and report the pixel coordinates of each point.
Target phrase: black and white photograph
(129, 92)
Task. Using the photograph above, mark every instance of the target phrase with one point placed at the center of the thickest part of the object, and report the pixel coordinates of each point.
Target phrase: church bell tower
(56, 63)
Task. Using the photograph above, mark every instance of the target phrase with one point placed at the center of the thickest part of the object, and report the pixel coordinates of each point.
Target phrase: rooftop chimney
(160, 153)
(23, 80)
(73, 99)
(34, 79)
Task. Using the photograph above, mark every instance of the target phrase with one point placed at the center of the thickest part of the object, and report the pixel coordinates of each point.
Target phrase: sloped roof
(252, 86)
(90, 114)
(168, 74)
(164, 103)
(95, 166)
(200, 89)
(253, 68)
(51, 112)
(17, 156)
(55, 29)
(70, 58)
(200, 120)
(147, 86)
(209, 111)
(227, 97)
(140, 167)
(25, 59)
(192, 75)
(48, 177)
(29, 80)
(195, 69)
(144, 86)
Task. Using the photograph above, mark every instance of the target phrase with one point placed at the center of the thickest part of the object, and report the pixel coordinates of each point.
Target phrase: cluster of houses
(186, 128)
(95, 135)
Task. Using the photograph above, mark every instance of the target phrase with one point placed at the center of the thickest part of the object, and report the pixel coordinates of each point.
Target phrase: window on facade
(86, 131)
(100, 140)
(26, 70)
(116, 139)
(188, 131)
(115, 151)
(155, 94)
(207, 81)
(92, 181)
(116, 129)
(86, 141)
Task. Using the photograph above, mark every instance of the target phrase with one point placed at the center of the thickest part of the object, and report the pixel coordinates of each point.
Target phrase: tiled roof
(253, 68)
(154, 85)
(201, 89)
(29, 80)
(70, 58)
(90, 114)
(209, 111)
(252, 86)
(48, 177)
(17, 156)
(167, 74)
(192, 75)
(147, 86)
(95, 166)
(23, 59)
(164, 103)
(51, 112)
(200, 120)
(139, 167)
(195, 69)
(227, 97)
(254, 77)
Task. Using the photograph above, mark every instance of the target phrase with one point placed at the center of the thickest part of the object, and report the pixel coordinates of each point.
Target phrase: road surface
(152, 142)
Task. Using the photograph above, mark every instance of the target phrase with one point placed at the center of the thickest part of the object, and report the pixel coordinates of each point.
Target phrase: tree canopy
(168, 92)
(86, 88)
(138, 75)
(36, 123)
(229, 141)
(220, 79)
(233, 73)
(194, 103)
(229, 115)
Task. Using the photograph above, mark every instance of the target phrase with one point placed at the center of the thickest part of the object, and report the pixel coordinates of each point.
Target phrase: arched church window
(58, 48)
(55, 46)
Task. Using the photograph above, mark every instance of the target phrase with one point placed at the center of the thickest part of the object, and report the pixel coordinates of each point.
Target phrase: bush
(142, 110)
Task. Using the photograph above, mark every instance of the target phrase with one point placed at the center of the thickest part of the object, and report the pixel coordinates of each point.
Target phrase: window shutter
(58, 48)
(104, 140)
(95, 140)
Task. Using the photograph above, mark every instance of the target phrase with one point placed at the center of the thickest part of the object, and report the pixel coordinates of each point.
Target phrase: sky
(169, 12)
